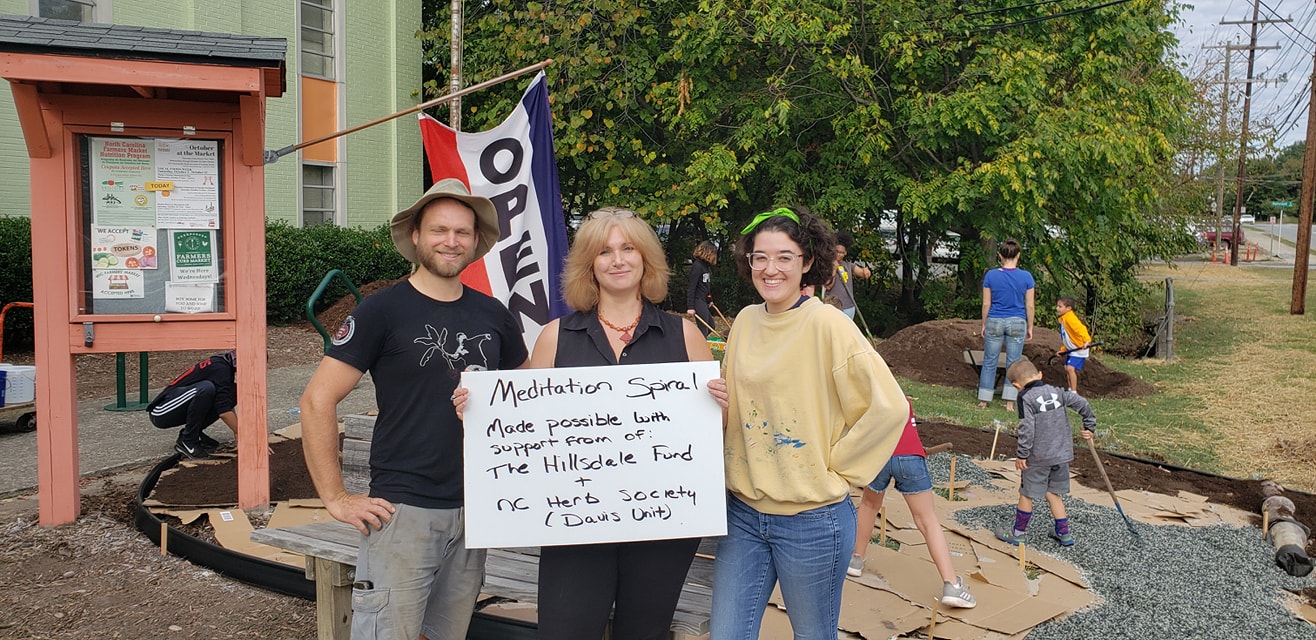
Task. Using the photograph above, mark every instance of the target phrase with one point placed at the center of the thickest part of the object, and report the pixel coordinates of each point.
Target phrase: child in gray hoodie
(1046, 446)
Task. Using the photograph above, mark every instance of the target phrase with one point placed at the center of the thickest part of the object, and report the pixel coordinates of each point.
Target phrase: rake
(1092, 446)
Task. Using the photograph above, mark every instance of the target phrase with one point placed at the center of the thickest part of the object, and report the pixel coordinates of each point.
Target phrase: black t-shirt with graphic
(415, 349)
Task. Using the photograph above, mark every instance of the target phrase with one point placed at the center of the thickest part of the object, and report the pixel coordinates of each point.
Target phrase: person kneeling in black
(195, 400)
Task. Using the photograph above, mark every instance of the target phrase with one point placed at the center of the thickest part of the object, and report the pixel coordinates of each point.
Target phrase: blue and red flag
(513, 165)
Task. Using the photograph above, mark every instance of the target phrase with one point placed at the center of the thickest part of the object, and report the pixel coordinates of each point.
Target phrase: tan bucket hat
(486, 218)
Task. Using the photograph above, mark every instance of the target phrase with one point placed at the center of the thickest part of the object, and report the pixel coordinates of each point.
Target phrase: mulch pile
(932, 353)
(332, 317)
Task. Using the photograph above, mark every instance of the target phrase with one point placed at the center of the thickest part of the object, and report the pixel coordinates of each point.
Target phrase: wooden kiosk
(148, 214)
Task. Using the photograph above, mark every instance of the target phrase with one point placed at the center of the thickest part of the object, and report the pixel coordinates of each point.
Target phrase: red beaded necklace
(625, 331)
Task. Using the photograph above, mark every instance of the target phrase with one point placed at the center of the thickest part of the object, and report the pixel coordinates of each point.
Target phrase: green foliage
(296, 260)
(16, 279)
(699, 113)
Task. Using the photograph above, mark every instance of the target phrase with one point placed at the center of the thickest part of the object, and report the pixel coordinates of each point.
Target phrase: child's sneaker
(1008, 535)
(191, 450)
(856, 568)
(1065, 539)
(957, 595)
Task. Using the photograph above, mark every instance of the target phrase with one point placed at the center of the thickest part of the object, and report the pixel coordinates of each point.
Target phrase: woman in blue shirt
(1007, 320)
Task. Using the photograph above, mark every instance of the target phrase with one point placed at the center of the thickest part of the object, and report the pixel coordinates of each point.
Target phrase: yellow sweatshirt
(1074, 334)
(814, 410)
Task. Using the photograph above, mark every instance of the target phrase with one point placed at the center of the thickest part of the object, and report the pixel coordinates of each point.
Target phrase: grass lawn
(1239, 399)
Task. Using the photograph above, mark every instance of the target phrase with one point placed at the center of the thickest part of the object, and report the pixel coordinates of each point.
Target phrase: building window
(77, 10)
(317, 39)
(317, 194)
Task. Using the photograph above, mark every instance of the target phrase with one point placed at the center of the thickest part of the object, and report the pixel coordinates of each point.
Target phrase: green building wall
(381, 168)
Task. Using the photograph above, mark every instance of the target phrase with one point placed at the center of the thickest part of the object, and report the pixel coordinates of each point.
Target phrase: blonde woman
(615, 275)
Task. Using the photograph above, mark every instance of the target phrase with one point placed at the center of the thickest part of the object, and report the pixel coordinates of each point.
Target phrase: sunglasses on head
(611, 212)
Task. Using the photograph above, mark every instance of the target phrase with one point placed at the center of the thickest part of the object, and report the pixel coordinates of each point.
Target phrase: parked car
(1247, 218)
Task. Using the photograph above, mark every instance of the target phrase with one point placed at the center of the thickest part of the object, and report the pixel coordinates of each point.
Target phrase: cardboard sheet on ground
(962, 553)
(295, 512)
(1007, 612)
(874, 613)
(951, 629)
(185, 516)
(233, 532)
(1002, 570)
(1046, 562)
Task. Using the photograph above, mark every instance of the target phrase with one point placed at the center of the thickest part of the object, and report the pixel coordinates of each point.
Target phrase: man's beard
(442, 269)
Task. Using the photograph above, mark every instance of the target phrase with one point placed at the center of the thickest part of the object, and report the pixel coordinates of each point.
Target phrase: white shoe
(856, 568)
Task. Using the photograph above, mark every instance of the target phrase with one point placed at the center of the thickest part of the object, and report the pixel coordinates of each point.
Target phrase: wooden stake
(998, 434)
(1265, 523)
(164, 538)
(950, 489)
(932, 628)
(882, 537)
(1022, 553)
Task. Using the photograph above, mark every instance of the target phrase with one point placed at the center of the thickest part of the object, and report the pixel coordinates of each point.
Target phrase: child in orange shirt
(1074, 334)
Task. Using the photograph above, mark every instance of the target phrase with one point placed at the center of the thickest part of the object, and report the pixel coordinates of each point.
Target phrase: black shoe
(191, 450)
(208, 443)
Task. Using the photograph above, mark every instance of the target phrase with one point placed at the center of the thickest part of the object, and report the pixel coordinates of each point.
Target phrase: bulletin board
(152, 225)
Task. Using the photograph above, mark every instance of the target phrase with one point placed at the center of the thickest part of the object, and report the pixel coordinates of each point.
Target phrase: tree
(1058, 126)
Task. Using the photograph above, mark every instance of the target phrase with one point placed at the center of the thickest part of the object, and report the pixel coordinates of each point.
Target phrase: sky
(1284, 103)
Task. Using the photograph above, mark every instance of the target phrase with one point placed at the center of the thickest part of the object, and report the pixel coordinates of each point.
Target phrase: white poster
(189, 298)
(188, 197)
(123, 247)
(120, 169)
(593, 454)
(109, 284)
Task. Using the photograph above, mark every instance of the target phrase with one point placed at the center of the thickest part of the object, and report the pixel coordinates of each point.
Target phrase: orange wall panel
(319, 118)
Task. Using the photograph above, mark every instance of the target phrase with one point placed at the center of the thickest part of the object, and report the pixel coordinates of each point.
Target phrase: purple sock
(1021, 519)
(1062, 526)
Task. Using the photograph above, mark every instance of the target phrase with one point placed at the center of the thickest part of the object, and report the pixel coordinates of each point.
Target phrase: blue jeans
(1010, 332)
(807, 553)
(910, 473)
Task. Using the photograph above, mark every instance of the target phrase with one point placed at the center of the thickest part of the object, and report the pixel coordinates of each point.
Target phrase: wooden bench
(330, 549)
(974, 358)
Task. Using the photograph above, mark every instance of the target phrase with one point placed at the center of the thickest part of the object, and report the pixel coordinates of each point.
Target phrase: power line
(1296, 30)
(1063, 14)
(1004, 9)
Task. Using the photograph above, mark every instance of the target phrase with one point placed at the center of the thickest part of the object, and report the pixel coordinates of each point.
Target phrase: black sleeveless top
(582, 342)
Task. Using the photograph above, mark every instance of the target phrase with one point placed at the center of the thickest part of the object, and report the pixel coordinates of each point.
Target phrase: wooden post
(932, 628)
(992, 456)
(1022, 552)
(950, 488)
(164, 538)
(1167, 336)
(881, 539)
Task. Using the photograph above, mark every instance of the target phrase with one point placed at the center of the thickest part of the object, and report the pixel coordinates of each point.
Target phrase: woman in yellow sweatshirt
(814, 411)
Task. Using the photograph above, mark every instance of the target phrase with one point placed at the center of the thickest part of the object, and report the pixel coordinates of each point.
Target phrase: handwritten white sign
(593, 454)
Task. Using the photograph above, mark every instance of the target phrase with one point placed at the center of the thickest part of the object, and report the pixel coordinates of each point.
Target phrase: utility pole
(455, 77)
(1225, 81)
(1242, 137)
(1298, 305)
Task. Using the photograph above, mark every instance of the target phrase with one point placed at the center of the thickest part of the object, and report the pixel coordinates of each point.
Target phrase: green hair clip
(758, 219)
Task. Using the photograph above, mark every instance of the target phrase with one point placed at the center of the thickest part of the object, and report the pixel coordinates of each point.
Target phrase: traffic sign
(1277, 203)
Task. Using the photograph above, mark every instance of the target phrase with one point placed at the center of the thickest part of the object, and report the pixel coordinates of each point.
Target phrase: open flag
(512, 165)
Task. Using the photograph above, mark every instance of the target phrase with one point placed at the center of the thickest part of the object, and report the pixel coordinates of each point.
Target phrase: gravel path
(1181, 582)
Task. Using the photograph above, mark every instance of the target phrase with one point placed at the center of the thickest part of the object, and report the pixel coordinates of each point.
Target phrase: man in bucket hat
(414, 575)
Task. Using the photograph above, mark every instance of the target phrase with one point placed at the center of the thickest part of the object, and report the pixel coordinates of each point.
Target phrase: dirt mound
(932, 353)
(332, 317)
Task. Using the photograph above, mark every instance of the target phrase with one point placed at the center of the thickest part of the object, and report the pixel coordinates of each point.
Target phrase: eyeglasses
(784, 261)
(611, 212)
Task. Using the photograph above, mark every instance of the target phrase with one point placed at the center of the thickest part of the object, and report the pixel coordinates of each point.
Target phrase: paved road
(113, 440)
